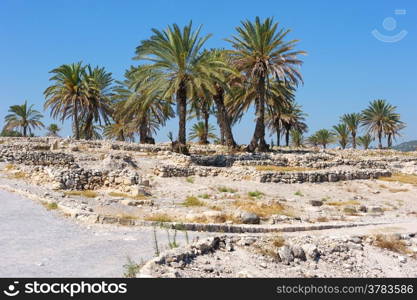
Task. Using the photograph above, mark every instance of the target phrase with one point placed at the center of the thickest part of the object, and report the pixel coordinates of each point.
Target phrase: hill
(407, 146)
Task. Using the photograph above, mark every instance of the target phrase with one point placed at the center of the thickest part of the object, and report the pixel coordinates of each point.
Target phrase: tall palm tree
(392, 130)
(262, 54)
(98, 108)
(378, 118)
(119, 131)
(52, 130)
(68, 94)
(365, 141)
(341, 132)
(23, 117)
(324, 137)
(222, 86)
(352, 121)
(199, 131)
(178, 68)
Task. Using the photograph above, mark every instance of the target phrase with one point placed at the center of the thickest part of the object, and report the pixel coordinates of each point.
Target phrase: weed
(261, 209)
(17, 175)
(256, 194)
(189, 179)
(124, 195)
(192, 201)
(9, 167)
(204, 196)
(299, 193)
(155, 242)
(131, 268)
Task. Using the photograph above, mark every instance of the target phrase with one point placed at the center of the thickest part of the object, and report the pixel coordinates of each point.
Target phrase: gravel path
(35, 242)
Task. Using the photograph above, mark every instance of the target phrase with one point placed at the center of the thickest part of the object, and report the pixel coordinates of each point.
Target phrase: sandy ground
(35, 242)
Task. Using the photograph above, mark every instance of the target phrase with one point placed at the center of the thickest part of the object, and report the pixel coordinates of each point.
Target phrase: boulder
(285, 255)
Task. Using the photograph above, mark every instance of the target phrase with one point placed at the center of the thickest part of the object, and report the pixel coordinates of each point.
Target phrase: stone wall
(38, 158)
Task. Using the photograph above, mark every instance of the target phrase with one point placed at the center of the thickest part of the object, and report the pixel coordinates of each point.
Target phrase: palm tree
(198, 131)
(68, 94)
(225, 84)
(292, 117)
(98, 109)
(342, 134)
(297, 138)
(52, 130)
(261, 54)
(352, 121)
(137, 109)
(313, 140)
(324, 137)
(178, 68)
(393, 129)
(119, 131)
(365, 141)
(23, 117)
(379, 118)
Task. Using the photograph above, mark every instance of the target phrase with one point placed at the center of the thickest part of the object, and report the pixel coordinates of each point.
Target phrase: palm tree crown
(23, 117)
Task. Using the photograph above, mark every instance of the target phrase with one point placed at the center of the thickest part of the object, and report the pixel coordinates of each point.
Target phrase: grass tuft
(224, 189)
(192, 201)
(163, 218)
(86, 193)
(261, 209)
(190, 179)
(256, 194)
(299, 193)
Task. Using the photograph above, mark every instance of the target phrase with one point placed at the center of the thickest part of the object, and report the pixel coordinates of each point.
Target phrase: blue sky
(346, 66)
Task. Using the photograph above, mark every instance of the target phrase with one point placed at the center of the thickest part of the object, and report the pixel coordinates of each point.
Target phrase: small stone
(285, 255)
(316, 202)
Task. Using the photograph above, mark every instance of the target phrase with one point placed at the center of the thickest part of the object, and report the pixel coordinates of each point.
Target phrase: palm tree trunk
(380, 139)
(389, 140)
(287, 137)
(76, 123)
(24, 131)
(206, 117)
(143, 131)
(354, 140)
(182, 114)
(259, 134)
(278, 129)
(89, 127)
(224, 119)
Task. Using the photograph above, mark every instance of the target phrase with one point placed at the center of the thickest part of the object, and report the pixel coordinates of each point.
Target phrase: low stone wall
(38, 158)
(277, 177)
(322, 176)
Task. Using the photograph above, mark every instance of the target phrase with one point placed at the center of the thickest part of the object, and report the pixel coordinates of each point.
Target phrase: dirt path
(35, 242)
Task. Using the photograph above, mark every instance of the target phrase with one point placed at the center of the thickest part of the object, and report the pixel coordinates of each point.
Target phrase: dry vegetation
(124, 195)
(343, 203)
(391, 243)
(261, 209)
(163, 218)
(87, 193)
(283, 169)
(402, 178)
(192, 201)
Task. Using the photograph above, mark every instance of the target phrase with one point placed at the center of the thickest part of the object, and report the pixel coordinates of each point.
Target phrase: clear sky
(346, 67)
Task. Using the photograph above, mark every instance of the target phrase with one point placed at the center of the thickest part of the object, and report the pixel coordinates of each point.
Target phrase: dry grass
(402, 178)
(393, 190)
(261, 209)
(192, 201)
(163, 218)
(127, 217)
(86, 194)
(322, 219)
(223, 218)
(18, 175)
(343, 203)
(204, 196)
(283, 169)
(124, 195)
(270, 248)
(9, 167)
(391, 243)
(50, 205)
(224, 189)
(278, 241)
